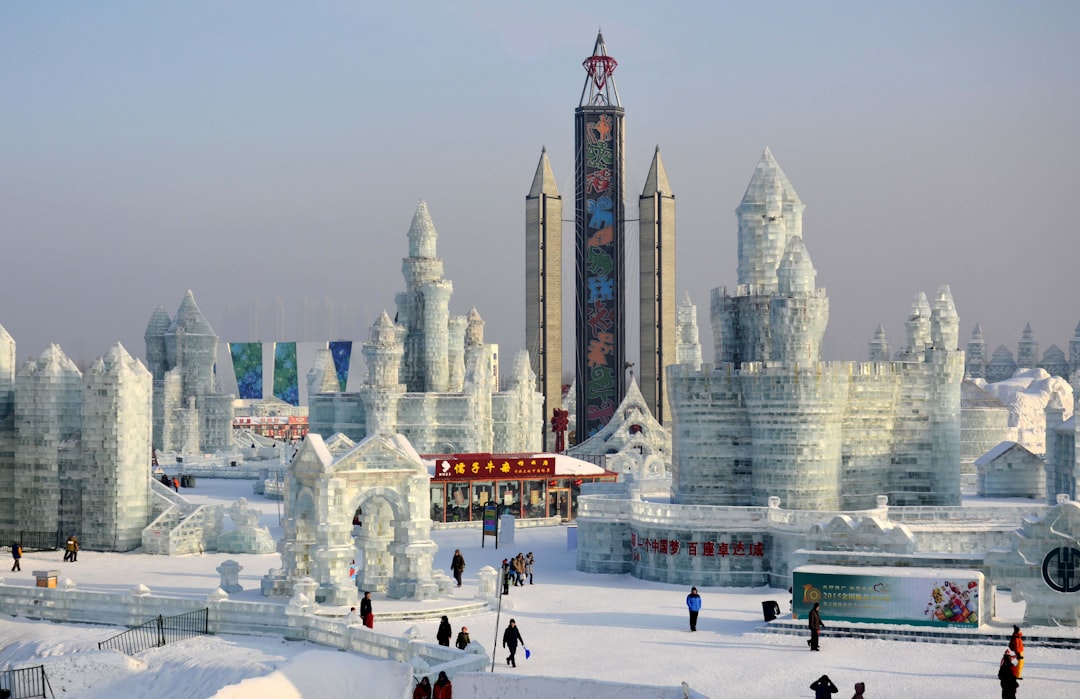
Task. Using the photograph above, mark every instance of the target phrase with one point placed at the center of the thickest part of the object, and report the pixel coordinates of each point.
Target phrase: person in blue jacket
(693, 603)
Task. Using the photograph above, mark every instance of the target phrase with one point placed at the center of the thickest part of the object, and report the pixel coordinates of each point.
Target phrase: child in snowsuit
(16, 553)
(462, 639)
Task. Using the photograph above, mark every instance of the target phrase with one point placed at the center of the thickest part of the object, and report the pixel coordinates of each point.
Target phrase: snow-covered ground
(611, 628)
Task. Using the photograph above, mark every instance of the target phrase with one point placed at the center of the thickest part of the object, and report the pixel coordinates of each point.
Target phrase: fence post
(161, 630)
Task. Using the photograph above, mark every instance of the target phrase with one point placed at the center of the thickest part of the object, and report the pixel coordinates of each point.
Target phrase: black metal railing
(32, 541)
(158, 632)
(25, 683)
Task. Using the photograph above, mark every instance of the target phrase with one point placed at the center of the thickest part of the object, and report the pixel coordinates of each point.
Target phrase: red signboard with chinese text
(486, 467)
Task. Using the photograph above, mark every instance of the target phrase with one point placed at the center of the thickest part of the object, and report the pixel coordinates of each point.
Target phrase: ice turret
(7, 372)
(879, 346)
(1027, 352)
(796, 273)
(770, 213)
(191, 346)
(944, 321)
(155, 342)
(1054, 362)
(917, 328)
(382, 353)
(976, 355)
(688, 346)
(1074, 352)
(422, 235)
(1001, 365)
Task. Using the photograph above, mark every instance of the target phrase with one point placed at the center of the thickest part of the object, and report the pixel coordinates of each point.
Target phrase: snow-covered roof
(999, 450)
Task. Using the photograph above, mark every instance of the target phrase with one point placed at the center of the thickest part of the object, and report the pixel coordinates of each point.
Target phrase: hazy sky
(278, 150)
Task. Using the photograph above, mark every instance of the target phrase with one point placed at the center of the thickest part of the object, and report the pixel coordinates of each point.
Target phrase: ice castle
(431, 376)
(769, 419)
(74, 448)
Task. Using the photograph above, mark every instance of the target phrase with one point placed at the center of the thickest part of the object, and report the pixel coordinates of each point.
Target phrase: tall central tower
(599, 142)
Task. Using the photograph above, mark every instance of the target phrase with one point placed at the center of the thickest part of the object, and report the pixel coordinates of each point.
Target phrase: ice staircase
(179, 526)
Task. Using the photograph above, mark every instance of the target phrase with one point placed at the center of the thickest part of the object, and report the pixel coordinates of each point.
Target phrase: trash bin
(770, 609)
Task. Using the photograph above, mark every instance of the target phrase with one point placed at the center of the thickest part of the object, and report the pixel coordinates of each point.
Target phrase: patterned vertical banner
(286, 384)
(247, 361)
(600, 292)
(342, 353)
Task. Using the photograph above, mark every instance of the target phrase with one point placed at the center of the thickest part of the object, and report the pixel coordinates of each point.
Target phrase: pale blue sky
(273, 149)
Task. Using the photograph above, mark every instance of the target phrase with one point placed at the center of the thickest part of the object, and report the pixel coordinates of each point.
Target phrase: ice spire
(796, 274)
(1027, 351)
(422, 235)
(944, 321)
(879, 346)
(189, 318)
(769, 215)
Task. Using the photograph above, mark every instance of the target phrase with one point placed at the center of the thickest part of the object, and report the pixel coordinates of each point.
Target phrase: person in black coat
(444, 632)
(366, 614)
(457, 565)
(824, 688)
(815, 626)
(463, 639)
(1007, 677)
(511, 639)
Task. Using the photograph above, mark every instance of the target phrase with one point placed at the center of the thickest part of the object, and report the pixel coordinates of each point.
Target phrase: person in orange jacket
(1016, 645)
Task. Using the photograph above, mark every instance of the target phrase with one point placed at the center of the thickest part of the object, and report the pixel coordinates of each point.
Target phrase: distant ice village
(926, 465)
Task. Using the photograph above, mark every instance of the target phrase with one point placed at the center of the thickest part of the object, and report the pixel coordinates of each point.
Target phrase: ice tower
(656, 216)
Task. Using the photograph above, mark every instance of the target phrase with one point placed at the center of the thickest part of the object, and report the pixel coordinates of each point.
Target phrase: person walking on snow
(823, 688)
(463, 639)
(1016, 645)
(71, 549)
(457, 565)
(529, 560)
(815, 626)
(1007, 676)
(366, 612)
(511, 639)
(693, 603)
(16, 553)
(444, 632)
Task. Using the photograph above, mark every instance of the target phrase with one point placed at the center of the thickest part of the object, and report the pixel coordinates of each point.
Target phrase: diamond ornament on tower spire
(600, 87)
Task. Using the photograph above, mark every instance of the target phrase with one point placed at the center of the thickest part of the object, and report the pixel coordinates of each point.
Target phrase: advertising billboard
(911, 596)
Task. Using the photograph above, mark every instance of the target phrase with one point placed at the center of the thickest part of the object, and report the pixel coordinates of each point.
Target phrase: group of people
(71, 552)
(446, 631)
(366, 614)
(173, 482)
(824, 688)
(1011, 669)
(442, 689)
(515, 570)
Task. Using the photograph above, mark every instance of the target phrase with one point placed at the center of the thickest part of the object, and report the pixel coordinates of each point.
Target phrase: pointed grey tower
(656, 213)
(799, 312)
(543, 289)
(1027, 351)
(976, 354)
(879, 346)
